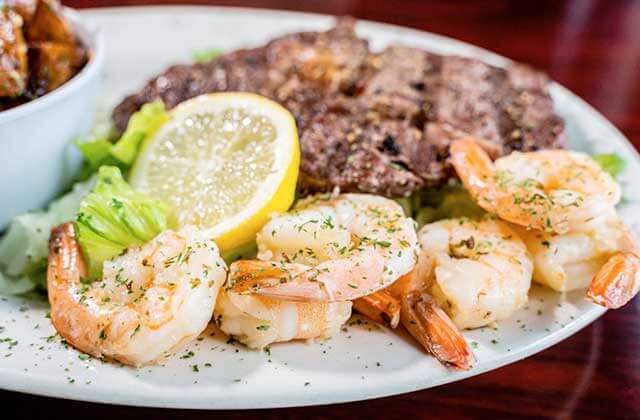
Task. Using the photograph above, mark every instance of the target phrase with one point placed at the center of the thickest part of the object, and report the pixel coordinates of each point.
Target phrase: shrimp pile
(470, 273)
(560, 228)
(552, 219)
(311, 263)
(149, 301)
(564, 204)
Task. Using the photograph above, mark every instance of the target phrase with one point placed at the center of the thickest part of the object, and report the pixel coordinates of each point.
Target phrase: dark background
(593, 48)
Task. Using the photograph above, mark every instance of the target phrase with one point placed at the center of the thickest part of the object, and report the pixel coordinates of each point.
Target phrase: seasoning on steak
(374, 122)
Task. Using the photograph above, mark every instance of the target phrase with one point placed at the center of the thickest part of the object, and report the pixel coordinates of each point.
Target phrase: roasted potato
(48, 25)
(13, 54)
(38, 50)
(51, 64)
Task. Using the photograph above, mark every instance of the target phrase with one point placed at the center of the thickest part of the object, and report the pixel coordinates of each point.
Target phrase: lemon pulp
(222, 162)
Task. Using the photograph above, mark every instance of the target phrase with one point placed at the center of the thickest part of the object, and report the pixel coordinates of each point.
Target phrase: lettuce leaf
(102, 150)
(431, 205)
(141, 124)
(248, 251)
(19, 285)
(24, 247)
(114, 217)
(206, 55)
(95, 152)
(611, 163)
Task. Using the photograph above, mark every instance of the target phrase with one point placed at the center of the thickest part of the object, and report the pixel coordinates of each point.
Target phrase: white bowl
(37, 160)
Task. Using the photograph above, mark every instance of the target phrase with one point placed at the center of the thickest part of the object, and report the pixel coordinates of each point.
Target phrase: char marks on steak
(374, 122)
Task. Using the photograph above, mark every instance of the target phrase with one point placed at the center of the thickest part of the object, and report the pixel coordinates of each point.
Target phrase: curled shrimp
(478, 271)
(470, 273)
(334, 249)
(312, 262)
(149, 301)
(547, 190)
(601, 255)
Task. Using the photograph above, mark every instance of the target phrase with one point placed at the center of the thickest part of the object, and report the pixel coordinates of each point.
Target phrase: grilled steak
(374, 122)
(298, 70)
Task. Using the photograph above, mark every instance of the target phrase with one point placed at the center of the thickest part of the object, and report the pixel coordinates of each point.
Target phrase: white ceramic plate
(363, 361)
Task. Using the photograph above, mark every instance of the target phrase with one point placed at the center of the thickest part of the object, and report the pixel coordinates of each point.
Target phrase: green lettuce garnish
(114, 217)
(95, 152)
(248, 251)
(449, 201)
(122, 153)
(141, 124)
(24, 247)
(611, 163)
(206, 55)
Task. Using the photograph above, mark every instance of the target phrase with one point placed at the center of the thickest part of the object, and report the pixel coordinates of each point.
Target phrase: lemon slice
(224, 162)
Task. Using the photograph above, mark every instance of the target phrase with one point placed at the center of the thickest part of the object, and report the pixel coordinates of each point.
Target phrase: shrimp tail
(432, 328)
(65, 269)
(65, 262)
(472, 164)
(380, 307)
(617, 282)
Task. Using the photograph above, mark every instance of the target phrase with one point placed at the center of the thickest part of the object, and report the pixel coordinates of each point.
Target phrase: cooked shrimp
(475, 272)
(549, 190)
(149, 301)
(601, 255)
(258, 321)
(334, 249)
(312, 262)
(479, 271)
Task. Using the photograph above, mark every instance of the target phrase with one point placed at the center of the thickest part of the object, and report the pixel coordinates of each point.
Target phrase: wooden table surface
(593, 48)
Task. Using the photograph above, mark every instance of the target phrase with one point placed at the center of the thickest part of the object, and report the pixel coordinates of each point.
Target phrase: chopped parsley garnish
(136, 330)
(188, 355)
(382, 244)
